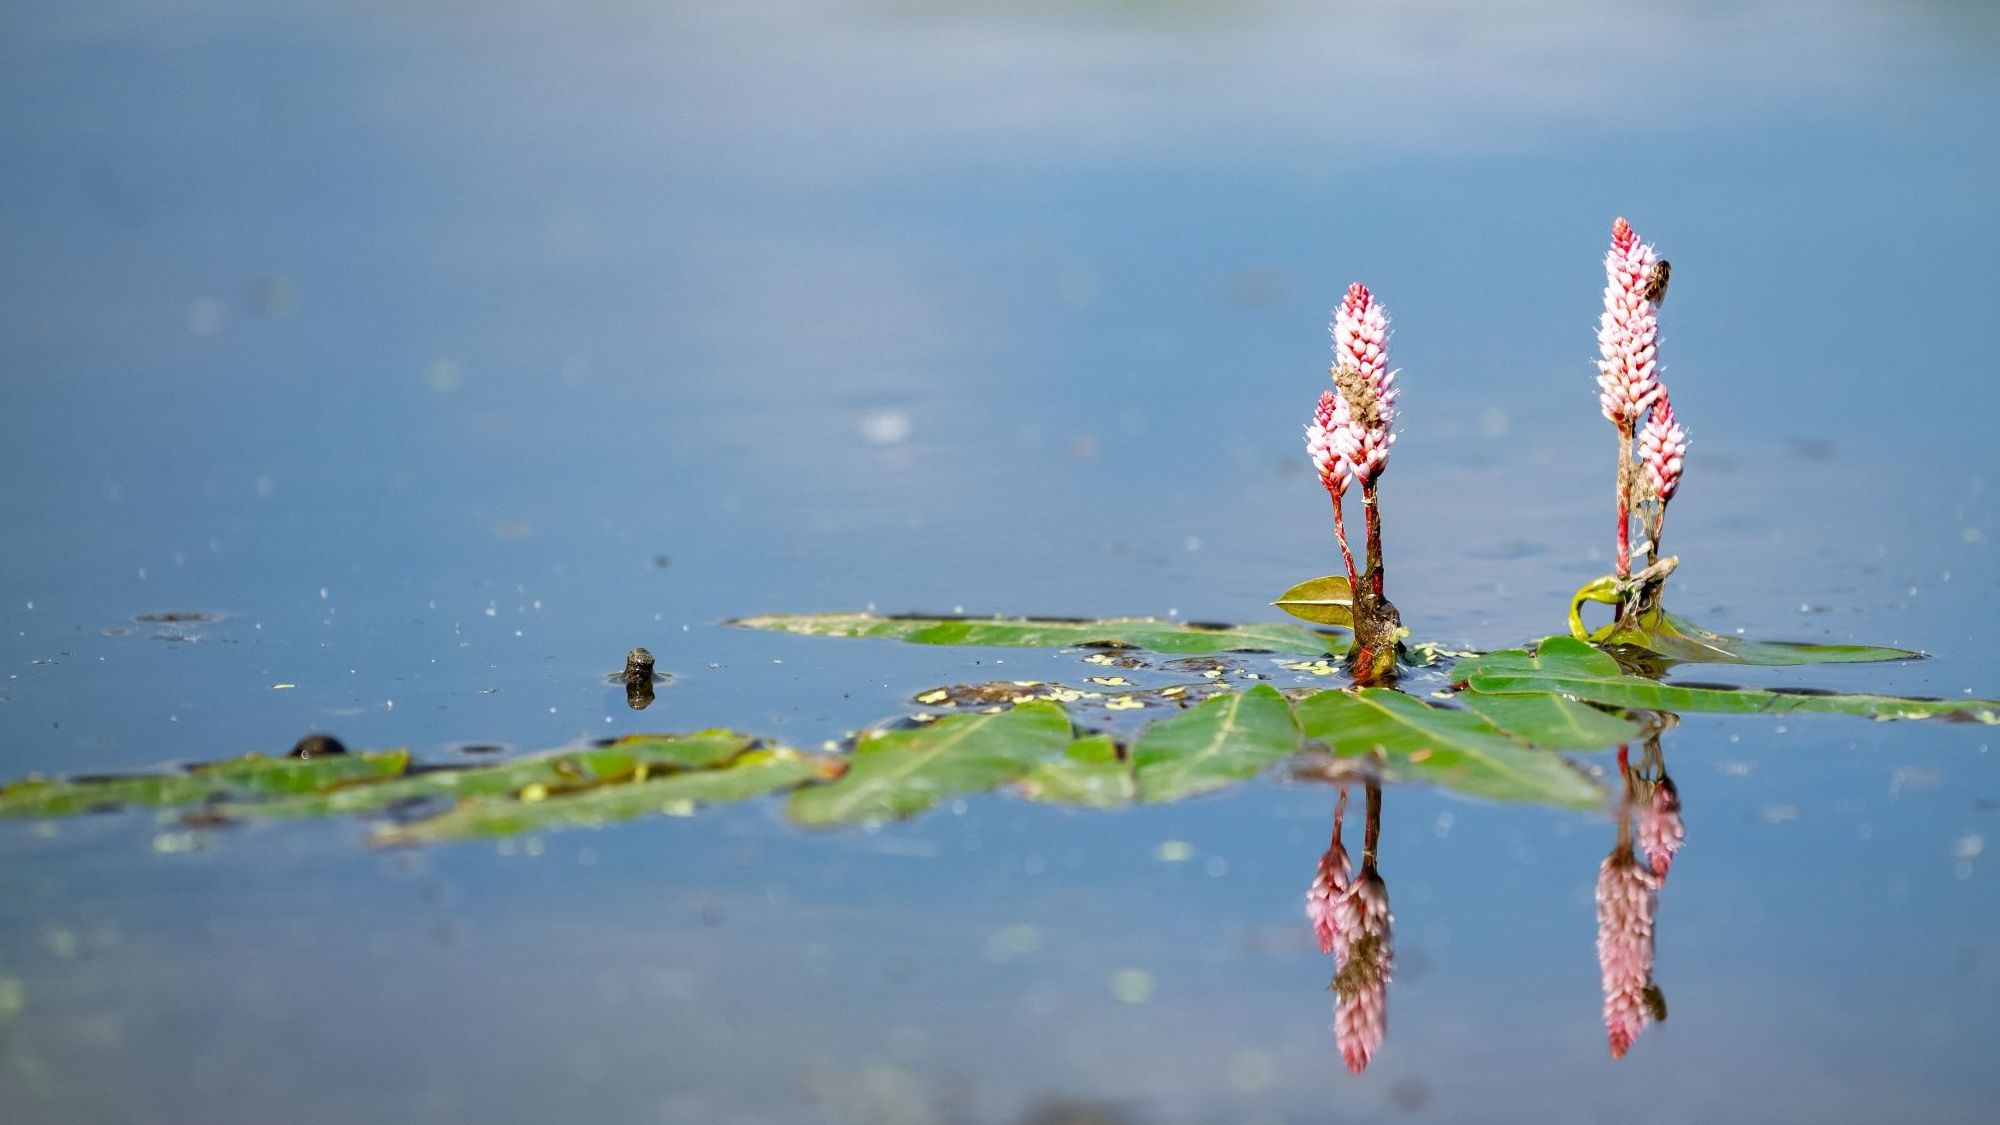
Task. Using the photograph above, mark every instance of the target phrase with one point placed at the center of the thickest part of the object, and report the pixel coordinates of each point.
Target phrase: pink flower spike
(1662, 448)
(1659, 827)
(1328, 439)
(1361, 1012)
(1361, 368)
(1625, 904)
(1628, 333)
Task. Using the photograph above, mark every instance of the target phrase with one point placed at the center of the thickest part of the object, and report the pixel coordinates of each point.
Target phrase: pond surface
(392, 371)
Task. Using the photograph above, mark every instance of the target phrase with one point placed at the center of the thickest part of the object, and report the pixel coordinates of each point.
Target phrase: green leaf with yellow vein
(1452, 749)
(1223, 741)
(896, 773)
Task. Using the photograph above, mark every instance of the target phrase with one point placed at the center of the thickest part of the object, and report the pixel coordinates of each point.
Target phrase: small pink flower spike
(1625, 903)
(1628, 334)
(1659, 827)
(1328, 438)
(1329, 890)
(1361, 347)
(1662, 448)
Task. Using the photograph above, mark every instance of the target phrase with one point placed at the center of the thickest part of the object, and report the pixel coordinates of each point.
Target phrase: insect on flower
(1656, 282)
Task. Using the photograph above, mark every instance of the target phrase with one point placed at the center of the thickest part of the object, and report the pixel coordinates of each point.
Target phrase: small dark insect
(1656, 282)
(1656, 1002)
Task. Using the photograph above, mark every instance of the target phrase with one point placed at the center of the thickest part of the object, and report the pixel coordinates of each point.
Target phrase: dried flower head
(1361, 371)
(1625, 903)
(1663, 448)
(1628, 333)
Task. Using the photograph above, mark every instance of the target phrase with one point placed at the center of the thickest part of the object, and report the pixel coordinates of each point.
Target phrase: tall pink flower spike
(1625, 904)
(1628, 344)
(1361, 346)
(1361, 1015)
(1662, 449)
(1628, 333)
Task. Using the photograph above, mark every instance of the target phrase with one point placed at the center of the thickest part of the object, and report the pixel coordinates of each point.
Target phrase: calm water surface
(446, 352)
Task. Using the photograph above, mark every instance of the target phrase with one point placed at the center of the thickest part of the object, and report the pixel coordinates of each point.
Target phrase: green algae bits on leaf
(897, 773)
(1170, 637)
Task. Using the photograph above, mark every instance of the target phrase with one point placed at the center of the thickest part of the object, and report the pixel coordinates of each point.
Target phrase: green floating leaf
(1326, 601)
(1677, 638)
(1553, 721)
(1566, 666)
(249, 776)
(634, 757)
(895, 773)
(754, 774)
(1223, 741)
(1451, 749)
(1089, 773)
(1171, 637)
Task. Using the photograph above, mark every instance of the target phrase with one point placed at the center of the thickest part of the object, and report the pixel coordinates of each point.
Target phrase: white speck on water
(445, 376)
(389, 705)
(492, 612)
(206, 316)
(322, 593)
(1194, 542)
(1968, 847)
(1443, 826)
(552, 710)
(1733, 769)
(31, 605)
(887, 427)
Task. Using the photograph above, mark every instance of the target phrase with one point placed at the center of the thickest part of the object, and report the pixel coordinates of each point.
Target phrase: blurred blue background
(445, 351)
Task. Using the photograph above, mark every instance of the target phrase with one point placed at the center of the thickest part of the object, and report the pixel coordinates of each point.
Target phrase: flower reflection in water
(1350, 916)
(1628, 895)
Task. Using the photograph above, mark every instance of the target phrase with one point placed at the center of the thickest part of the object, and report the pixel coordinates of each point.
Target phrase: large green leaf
(1551, 720)
(1566, 666)
(1179, 638)
(633, 758)
(753, 774)
(894, 773)
(1451, 749)
(1325, 601)
(249, 776)
(1225, 740)
(1090, 772)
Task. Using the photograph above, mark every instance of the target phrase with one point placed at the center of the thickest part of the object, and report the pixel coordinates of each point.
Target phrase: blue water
(447, 353)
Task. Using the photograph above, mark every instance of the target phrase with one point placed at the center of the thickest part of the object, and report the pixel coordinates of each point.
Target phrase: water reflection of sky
(416, 340)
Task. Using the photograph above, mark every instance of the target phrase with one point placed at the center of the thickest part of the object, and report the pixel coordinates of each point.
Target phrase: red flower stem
(1624, 501)
(1346, 555)
(1374, 538)
(1373, 830)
